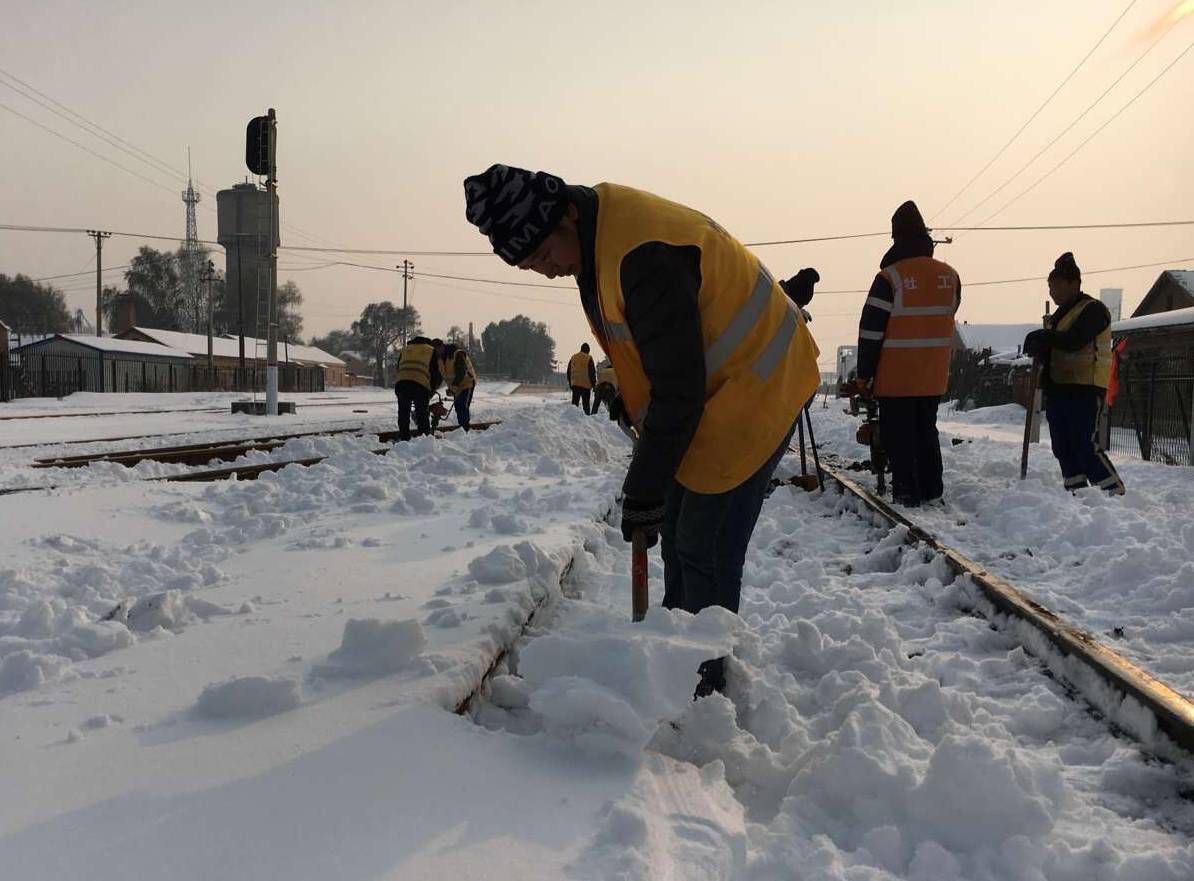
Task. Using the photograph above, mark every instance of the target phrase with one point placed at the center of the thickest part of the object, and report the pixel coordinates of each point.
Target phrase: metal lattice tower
(192, 298)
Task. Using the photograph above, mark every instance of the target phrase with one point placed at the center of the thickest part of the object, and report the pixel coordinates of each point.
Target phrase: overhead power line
(1093, 134)
(1037, 112)
(524, 284)
(1065, 131)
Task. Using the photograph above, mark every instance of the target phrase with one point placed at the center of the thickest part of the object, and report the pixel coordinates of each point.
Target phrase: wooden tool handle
(638, 576)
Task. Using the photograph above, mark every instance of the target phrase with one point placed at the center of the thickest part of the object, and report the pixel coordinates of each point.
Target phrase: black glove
(800, 286)
(1036, 343)
(644, 517)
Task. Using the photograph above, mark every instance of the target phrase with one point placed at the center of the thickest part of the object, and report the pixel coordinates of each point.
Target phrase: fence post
(1191, 435)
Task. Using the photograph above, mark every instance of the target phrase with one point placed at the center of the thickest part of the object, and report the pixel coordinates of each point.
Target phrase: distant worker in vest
(582, 376)
(713, 362)
(1075, 352)
(418, 377)
(461, 378)
(799, 289)
(905, 340)
(606, 390)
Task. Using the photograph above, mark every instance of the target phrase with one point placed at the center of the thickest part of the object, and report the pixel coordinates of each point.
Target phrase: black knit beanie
(515, 208)
(1066, 269)
(907, 222)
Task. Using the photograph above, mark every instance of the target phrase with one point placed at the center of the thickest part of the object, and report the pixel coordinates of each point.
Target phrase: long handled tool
(638, 576)
(812, 440)
(1032, 419)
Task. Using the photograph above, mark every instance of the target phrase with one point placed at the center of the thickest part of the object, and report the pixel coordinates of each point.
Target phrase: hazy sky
(779, 119)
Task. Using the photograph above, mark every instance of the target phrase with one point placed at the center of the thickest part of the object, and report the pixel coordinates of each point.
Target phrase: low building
(1173, 290)
(63, 363)
(308, 368)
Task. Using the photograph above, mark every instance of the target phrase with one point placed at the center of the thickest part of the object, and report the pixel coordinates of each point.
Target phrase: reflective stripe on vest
(918, 342)
(1090, 365)
(760, 360)
(414, 364)
(578, 370)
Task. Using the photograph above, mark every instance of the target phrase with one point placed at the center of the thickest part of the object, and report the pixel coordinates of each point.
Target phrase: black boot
(713, 678)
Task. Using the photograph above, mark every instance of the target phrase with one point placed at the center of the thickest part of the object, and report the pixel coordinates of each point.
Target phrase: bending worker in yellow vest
(582, 376)
(905, 339)
(713, 362)
(1075, 347)
(461, 378)
(418, 377)
(606, 390)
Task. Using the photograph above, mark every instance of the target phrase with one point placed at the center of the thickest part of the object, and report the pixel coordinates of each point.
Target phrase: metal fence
(1151, 415)
(977, 381)
(33, 375)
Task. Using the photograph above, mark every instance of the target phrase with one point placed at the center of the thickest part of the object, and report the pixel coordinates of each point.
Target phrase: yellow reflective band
(741, 324)
(776, 347)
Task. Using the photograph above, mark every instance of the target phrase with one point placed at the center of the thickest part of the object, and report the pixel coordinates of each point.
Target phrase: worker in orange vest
(905, 339)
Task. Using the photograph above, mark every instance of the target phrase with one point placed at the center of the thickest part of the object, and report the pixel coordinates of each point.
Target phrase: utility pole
(99, 236)
(406, 268)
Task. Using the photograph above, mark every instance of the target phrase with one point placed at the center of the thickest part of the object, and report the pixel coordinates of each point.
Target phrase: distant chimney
(1113, 299)
(471, 341)
(126, 313)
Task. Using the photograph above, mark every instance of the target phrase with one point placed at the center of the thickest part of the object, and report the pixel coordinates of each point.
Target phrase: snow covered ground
(1120, 567)
(272, 694)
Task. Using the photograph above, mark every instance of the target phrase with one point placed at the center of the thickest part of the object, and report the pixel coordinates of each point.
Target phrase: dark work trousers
(908, 432)
(579, 395)
(704, 539)
(464, 400)
(1073, 418)
(603, 394)
(411, 394)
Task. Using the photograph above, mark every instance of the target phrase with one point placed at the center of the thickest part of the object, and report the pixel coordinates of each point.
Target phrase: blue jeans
(704, 539)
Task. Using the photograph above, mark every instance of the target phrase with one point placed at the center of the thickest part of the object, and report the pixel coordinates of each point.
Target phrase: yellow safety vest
(760, 359)
(1090, 365)
(578, 370)
(414, 364)
(919, 339)
(448, 369)
(609, 376)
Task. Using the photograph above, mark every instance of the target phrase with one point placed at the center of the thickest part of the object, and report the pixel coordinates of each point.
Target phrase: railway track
(1110, 684)
(219, 451)
(339, 402)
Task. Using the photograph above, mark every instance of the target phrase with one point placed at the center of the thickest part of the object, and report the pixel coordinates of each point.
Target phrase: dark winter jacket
(1092, 322)
(874, 318)
(660, 283)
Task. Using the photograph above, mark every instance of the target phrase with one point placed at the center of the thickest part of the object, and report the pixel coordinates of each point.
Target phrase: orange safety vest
(919, 339)
(760, 360)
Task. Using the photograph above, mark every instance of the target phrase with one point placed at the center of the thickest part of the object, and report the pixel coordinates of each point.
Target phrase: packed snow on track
(1122, 567)
(260, 680)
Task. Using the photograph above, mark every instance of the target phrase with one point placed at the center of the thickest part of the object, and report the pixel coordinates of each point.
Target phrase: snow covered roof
(996, 337)
(298, 352)
(1185, 278)
(229, 347)
(114, 346)
(1173, 318)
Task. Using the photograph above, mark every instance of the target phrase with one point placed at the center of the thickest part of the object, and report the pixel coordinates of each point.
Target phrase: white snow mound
(248, 697)
(372, 647)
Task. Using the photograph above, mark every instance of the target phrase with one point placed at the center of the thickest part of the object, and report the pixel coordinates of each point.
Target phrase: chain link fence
(1151, 415)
